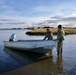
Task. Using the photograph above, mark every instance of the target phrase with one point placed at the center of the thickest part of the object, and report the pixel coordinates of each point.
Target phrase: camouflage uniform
(49, 35)
(60, 37)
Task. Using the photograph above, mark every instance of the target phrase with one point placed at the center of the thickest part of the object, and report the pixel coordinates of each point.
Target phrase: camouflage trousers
(59, 44)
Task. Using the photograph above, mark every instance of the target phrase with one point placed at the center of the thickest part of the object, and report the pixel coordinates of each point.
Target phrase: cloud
(21, 22)
(38, 22)
(6, 9)
(56, 14)
(42, 9)
(65, 21)
(63, 9)
(2, 2)
(3, 5)
(10, 8)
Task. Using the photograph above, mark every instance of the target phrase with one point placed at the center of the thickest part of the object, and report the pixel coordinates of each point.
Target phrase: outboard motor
(12, 37)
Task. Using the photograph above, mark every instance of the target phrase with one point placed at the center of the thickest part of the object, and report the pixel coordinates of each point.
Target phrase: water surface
(38, 64)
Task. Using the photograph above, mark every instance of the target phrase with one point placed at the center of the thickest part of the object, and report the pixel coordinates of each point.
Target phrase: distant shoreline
(15, 28)
(42, 31)
(12, 28)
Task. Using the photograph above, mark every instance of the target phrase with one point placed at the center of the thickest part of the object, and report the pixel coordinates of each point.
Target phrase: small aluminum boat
(39, 46)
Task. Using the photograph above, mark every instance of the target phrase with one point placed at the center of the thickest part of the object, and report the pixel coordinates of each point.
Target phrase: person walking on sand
(60, 38)
(49, 35)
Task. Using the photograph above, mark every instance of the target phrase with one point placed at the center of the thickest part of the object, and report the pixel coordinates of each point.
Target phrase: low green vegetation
(42, 31)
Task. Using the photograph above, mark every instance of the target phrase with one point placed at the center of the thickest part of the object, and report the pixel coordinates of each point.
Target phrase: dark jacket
(49, 36)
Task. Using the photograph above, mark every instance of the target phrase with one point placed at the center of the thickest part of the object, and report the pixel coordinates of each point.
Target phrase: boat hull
(39, 46)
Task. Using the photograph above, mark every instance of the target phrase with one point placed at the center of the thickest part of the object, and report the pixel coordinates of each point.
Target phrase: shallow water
(38, 64)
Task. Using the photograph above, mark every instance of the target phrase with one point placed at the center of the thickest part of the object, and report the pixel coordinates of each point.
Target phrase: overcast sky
(37, 10)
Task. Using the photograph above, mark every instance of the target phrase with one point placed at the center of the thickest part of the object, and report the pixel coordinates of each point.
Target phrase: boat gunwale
(31, 40)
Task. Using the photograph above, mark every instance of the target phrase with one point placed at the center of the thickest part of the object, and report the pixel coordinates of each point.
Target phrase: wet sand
(29, 70)
(44, 66)
(20, 71)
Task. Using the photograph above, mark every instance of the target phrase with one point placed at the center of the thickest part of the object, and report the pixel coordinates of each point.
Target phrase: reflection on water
(38, 64)
(23, 57)
(59, 64)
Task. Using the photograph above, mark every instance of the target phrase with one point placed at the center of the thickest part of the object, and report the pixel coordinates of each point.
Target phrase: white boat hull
(39, 46)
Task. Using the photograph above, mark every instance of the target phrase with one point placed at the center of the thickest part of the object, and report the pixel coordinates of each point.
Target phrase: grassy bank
(42, 31)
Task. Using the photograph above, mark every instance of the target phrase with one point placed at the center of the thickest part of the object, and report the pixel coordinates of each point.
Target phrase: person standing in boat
(49, 35)
(12, 37)
(60, 38)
